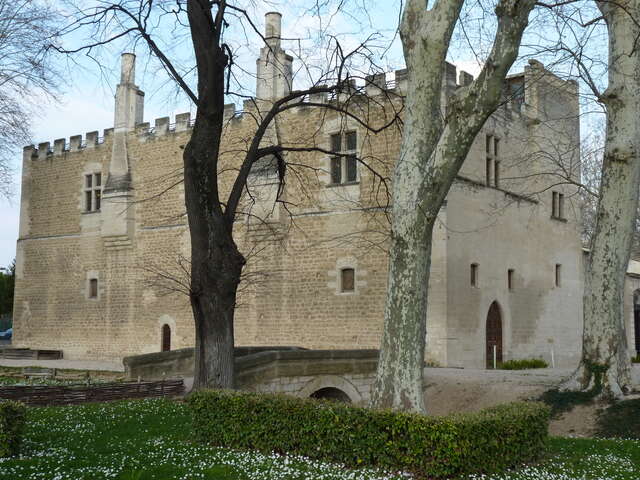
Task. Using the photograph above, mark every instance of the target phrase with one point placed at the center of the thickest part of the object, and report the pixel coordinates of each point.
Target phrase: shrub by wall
(433, 447)
(523, 364)
(12, 419)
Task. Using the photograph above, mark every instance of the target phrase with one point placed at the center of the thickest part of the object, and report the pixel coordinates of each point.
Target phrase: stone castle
(103, 249)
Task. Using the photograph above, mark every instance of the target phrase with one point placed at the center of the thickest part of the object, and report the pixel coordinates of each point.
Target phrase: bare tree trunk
(605, 363)
(431, 155)
(216, 263)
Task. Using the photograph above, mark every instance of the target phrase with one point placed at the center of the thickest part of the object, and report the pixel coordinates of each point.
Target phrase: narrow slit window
(336, 143)
(352, 168)
(93, 288)
(510, 274)
(492, 166)
(166, 338)
(488, 172)
(336, 170)
(558, 275)
(347, 280)
(560, 205)
(474, 275)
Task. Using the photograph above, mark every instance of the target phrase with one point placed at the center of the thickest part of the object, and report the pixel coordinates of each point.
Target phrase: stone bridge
(345, 375)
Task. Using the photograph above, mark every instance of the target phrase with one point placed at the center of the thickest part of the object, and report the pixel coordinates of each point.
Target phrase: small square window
(347, 280)
(93, 288)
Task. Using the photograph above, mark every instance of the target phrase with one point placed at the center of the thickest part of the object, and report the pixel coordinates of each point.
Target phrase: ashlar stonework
(101, 269)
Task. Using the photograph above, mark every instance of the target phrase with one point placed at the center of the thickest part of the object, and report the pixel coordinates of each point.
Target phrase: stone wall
(291, 292)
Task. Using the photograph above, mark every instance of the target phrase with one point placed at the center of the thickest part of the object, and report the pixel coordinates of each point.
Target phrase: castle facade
(103, 249)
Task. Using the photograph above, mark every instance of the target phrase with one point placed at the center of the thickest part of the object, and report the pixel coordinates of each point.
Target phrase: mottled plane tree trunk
(432, 152)
(604, 367)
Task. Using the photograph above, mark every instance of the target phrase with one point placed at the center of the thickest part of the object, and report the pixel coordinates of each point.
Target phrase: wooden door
(166, 338)
(494, 334)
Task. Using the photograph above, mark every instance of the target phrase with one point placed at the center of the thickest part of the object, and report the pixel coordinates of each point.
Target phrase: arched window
(347, 280)
(166, 338)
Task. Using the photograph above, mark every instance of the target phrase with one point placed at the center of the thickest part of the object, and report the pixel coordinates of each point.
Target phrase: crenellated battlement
(382, 83)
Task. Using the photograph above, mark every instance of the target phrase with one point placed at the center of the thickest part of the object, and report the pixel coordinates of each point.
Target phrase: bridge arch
(332, 387)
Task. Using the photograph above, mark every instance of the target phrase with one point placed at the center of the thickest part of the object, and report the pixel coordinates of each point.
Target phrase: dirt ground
(451, 390)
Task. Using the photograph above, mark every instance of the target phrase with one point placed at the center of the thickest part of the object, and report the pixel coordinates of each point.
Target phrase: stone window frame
(171, 322)
(474, 275)
(94, 190)
(335, 277)
(90, 276)
(492, 160)
(343, 289)
(345, 154)
(558, 206)
(511, 279)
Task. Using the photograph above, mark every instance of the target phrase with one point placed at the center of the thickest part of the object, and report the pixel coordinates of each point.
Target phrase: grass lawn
(149, 439)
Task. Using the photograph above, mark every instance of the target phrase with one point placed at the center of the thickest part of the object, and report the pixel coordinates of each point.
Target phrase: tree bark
(431, 154)
(216, 263)
(605, 363)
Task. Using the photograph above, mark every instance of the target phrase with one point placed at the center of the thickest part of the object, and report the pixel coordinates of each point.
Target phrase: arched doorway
(494, 335)
(636, 320)
(166, 338)
(331, 393)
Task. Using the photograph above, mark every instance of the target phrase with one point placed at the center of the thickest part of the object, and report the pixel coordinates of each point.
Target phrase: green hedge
(434, 447)
(12, 419)
(523, 364)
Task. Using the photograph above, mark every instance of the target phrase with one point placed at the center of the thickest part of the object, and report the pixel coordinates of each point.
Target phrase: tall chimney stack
(274, 66)
(273, 29)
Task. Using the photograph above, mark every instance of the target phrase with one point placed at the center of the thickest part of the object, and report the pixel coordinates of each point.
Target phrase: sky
(86, 102)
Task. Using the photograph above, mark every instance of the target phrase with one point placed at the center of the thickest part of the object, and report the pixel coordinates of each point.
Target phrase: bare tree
(27, 74)
(213, 204)
(432, 152)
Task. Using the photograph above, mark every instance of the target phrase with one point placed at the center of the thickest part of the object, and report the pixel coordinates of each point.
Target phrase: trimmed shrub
(433, 447)
(12, 420)
(524, 364)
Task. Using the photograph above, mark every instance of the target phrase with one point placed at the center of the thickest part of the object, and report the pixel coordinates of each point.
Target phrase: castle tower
(117, 216)
(274, 66)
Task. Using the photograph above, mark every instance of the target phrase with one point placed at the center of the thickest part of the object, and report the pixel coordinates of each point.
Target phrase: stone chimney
(274, 66)
(129, 108)
(117, 216)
